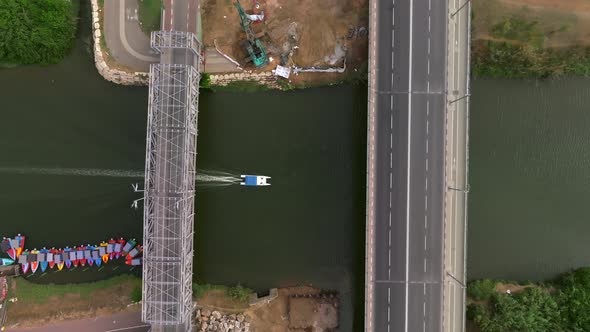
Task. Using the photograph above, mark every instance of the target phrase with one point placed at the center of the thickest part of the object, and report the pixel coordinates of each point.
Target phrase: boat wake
(204, 177)
(208, 178)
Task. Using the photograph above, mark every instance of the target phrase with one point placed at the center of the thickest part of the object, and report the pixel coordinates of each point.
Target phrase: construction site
(315, 41)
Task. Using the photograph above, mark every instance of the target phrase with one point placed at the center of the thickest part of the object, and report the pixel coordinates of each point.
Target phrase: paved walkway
(125, 321)
(216, 63)
(127, 44)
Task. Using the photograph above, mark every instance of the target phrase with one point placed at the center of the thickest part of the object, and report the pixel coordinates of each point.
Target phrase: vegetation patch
(36, 32)
(559, 305)
(241, 86)
(205, 82)
(150, 12)
(501, 59)
(481, 290)
(28, 292)
(200, 289)
(524, 42)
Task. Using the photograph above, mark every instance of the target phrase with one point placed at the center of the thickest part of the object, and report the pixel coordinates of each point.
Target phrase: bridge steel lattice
(170, 171)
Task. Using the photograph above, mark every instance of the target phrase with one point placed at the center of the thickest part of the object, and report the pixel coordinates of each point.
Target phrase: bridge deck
(171, 149)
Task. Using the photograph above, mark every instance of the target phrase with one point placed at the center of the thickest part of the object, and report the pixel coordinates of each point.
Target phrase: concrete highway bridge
(170, 171)
(417, 165)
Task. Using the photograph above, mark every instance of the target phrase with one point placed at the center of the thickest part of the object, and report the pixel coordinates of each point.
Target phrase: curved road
(127, 44)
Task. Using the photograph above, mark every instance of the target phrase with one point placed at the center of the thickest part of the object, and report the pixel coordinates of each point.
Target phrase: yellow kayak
(60, 266)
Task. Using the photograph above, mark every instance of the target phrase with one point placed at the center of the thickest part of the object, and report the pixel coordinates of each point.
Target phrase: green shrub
(136, 294)
(533, 309)
(35, 32)
(205, 82)
(574, 297)
(239, 293)
(481, 290)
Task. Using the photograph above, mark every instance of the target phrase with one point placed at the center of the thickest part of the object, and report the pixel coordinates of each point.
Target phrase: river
(72, 144)
(530, 178)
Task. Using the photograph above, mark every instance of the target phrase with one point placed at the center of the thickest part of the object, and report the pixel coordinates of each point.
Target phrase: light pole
(456, 100)
(463, 5)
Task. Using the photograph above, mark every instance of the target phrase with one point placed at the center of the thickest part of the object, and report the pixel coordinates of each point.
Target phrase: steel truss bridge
(170, 170)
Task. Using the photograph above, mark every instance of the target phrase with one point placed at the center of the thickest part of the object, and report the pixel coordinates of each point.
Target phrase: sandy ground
(563, 22)
(273, 317)
(314, 33)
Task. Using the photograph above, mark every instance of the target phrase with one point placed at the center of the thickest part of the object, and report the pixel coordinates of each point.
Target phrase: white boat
(254, 180)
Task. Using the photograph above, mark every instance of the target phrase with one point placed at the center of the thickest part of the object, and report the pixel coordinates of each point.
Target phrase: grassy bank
(511, 41)
(43, 303)
(39, 304)
(28, 292)
(562, 304)
(150, 12)
(240, 86)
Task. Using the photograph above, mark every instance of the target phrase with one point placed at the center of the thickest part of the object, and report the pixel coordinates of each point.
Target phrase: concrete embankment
(110, 74)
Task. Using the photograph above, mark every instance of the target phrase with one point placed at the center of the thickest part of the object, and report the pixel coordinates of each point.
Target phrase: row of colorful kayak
(68, 257)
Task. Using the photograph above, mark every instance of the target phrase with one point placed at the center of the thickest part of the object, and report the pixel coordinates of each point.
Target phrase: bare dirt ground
(272, 317)
(70, 306)
(564, 23)
(304, 33)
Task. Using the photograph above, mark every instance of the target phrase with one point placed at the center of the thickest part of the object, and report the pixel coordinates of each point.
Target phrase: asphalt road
(127, 44)
(406, 291)
(124, 321)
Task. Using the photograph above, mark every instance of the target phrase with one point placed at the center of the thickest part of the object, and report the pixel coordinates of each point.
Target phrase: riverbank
(286, 309)
(33, 305)
(530, 39)
(38, 304)
(557, 305)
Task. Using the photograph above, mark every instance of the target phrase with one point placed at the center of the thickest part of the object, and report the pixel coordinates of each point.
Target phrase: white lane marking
(391, 102)
(392, 63)
(409, 167)
(391, 140)
(424, 304)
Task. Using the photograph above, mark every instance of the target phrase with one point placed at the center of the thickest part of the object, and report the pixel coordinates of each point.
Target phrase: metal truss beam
(170, 173)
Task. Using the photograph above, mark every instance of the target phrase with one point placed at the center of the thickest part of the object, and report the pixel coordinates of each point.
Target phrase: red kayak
(80, 257)
(119, 247)
(111, 249)
(133, 262)
(51, 255)
(134, 252)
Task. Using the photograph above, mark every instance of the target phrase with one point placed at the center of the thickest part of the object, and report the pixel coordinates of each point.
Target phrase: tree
(35, 31)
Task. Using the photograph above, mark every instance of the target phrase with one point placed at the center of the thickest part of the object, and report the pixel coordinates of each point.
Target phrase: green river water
(72, 144)
(529, 211)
